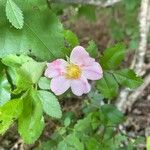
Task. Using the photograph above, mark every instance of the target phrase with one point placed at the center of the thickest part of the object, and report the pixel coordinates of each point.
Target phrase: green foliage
(88, 12)
(24, 95)
(70, 142)
(28, 74)
(31, 123)
(14, 14)
(8, 113)
(110, 115)
(26, 70)
(83, 125)
(110, 61)
(49, 100)
(123, 24)
(117, 31)
(97, 130)
(131, 5)
(108, 86)
(92, 143)
(92, 49)
(44, 83)
(15, 61)
(113, 56)
(4, 89)
(128, 78)
(41, 35)
(148, 143)
(71, 39)
(49, 145)
(1, 67)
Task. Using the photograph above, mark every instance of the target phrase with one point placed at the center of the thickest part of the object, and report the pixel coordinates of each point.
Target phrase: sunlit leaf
(14, 14)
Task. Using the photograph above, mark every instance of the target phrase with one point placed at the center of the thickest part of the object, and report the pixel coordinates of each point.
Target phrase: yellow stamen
(73, 72)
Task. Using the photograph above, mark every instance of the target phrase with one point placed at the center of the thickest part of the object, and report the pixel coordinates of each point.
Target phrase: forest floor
(138, 119)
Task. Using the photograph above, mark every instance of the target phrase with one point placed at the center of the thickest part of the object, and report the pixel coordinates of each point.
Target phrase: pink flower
(74, 74)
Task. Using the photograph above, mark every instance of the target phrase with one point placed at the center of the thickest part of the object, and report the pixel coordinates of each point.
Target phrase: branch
(138, 63)
(144, 29)
(100, 3)
(135, 95)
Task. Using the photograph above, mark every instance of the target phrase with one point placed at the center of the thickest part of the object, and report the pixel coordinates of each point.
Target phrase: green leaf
(71, 142)
(111, 115)
(14, 14)
(44, 83)
(48, 145)
(42, 34)
(127, 78)
(84, 125)
(89, 12)
(148, 143)
(8, 113)
(108, 86)
(92, 49)
(28, 74)
(50, 104)
(1, 67)
(5, 89)
(16, 61)
(33, 69)
(113, 56)
(31, 123)
(117, 32)
(71, 39)
(131, 5)
(92, 144)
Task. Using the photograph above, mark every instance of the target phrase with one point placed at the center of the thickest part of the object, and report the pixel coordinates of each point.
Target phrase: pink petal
(79, 56)
(55, 68)
(80, 86)
(93, 72)
(59, 85)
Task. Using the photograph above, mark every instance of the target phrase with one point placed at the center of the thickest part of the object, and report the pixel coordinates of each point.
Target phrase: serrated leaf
(14, 14)
(44, 83)
(113, 56)
(50, 104)
(30, 122)
(71, 38)
(33, 69)
(83, 125)
(92, 49)
(8, 113)
(15, 61)
(111, 115)
(42, 34)
(71, 142)
(92, 144)
(28, 74)
(127, 78)
(108, 86)
(48, 145)
(5, 89)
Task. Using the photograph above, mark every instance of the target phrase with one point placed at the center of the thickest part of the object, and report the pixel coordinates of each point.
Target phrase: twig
(138, 62)
(18, 145)
(144, 28)
(133, 97)
(100, 3)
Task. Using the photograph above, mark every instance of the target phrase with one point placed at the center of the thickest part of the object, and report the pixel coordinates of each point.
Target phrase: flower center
(73, 71)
